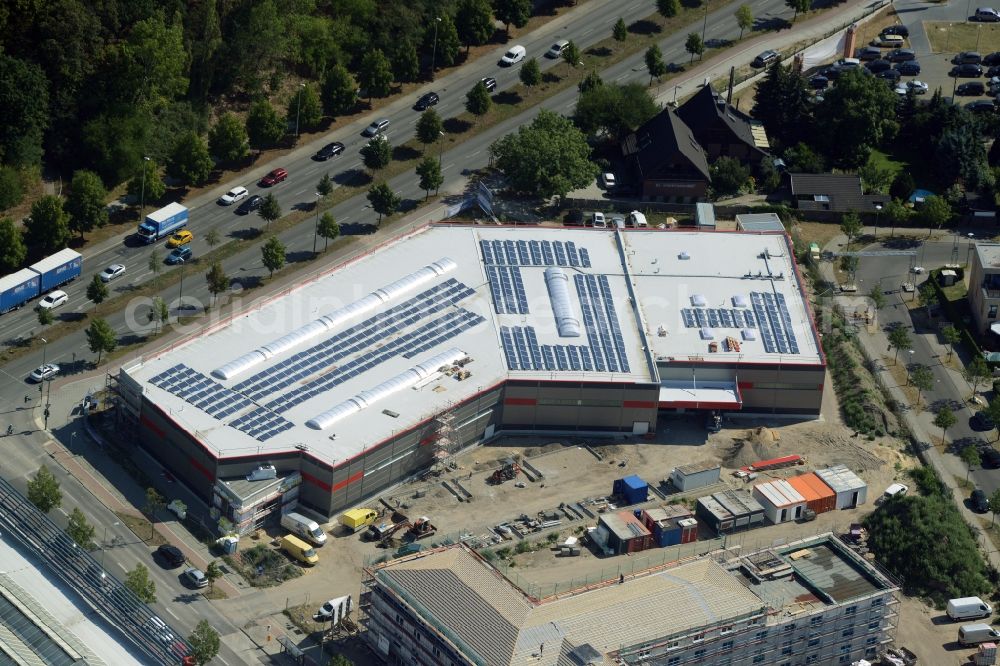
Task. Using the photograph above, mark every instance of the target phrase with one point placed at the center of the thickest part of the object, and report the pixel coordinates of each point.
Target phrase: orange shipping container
(819, 496)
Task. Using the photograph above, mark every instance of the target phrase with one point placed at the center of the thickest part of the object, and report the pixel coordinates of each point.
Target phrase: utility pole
(142, 190)
(437, 19)
(316, 226)
(298, 109)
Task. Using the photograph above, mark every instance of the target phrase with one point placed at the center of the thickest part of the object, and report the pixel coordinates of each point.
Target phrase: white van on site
(889, 41)
(968, 608)
(637, 220)
(971, 634)
(301, 526)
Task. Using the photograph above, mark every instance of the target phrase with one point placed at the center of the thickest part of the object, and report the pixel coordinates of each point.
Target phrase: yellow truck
(299, 550)
(358, 519)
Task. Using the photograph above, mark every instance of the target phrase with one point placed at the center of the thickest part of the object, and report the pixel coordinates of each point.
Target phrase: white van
(971, 634)
(968, 608)
(301, 526)
(637, 220)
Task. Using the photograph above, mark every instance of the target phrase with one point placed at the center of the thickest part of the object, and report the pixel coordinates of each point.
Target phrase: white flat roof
(352, 357)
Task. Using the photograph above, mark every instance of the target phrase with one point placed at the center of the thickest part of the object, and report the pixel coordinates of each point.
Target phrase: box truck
(58, 269)
(968, 608)
(299, 550)
(18, 288)
(161, 223)
(301, 526)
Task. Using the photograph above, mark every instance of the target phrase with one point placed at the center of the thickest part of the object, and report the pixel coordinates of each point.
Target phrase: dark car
(328, 151)
(172, 555)
(179, 255)
(967, 71)
(818, 82)
(981, 421)
(880, 65)
(573, 218)
(426, 101)
(868, 53)
(981, 106)
(901, 55)
(275, 177)
(908, 68)
(992, 58)
(890, 75)
(993, 71)
(967, 58)
(490, 83)
(990, 457)
(980, 503)
(900, 30)
(971, 88)
(766, 58)
(250, 205)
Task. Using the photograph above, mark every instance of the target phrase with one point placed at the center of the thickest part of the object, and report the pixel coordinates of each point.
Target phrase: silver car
(111, 272)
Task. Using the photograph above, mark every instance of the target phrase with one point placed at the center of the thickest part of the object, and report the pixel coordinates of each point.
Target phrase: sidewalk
(920, 423)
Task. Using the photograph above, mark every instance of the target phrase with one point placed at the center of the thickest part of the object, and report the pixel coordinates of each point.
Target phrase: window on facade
(877, 602)
(844, 658)
(673, 644)
(786, 650)
(847, 633)
(699, 654)
(875, 624)
(789, 627)
(816, 620)
(872, 640)
(812, 659)
(761, 635)
(813, 642)
(698, 637)
(673, 661)
(728, 629)
(993, 312)
(850, 610)
(728, 645)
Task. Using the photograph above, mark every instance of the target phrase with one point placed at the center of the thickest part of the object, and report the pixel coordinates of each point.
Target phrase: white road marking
(167, 608)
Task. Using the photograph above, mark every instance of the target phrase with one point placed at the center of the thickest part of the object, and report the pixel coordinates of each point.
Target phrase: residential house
(833, 192)
(722, 130)
(668, 163)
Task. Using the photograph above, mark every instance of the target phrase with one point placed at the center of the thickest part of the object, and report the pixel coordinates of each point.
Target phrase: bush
(11, 187)
(523, 547)
(927, 481)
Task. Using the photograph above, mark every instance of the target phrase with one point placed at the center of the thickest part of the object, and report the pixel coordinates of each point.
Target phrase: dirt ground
(930, 634)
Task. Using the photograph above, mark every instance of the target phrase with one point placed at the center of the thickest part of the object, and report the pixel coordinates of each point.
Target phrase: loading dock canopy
(686, 394)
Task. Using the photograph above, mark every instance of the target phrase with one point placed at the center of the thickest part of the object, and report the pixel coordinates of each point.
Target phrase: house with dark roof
(722, 130)
(668, 163)
(833, 192)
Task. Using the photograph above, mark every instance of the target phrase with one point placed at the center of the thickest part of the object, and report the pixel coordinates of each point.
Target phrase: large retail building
(452, 335)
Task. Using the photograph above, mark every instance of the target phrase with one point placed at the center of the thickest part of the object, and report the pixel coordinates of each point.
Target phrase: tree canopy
(857, 115)
(614, 110)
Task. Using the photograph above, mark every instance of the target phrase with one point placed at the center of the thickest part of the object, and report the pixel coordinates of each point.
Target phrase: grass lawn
(946, 37)
(890, 162)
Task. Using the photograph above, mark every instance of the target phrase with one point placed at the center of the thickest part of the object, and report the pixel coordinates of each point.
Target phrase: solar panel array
(520, 346)
(201, 391)
(775, 323)
(718, 318)
(600, 319)
(507, 287)
(261, 424)
(534, 253)
(368, 333)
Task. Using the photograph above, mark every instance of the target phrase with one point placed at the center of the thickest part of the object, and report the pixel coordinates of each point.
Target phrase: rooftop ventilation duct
(558, 285)
(330, 321)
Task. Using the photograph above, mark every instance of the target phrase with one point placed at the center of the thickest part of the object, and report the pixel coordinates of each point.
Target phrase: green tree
(48, 225)
(155, 502)
(148, 187)
(531, 73)
(898, 534)
(377, 153)
(545, 158)
(340, 660)
(383, 199)
(325, 185)
(11, 187)
(620, 31)
(158, 313)
(213, 572)
(474, 22)
(902, 185)
(101, 338)
(306, 108)
(25, 112)
(590, 82)
(155, 264)
(270, 210)
(430, 175)
(85, 203)
(923, 380)
(952, 336)
(328, 229)
(228, 139)
(857, 115)
(668, 8)
(218, 281)
(97, 291)
(44, 491)
(571, 55)
(895, 214)
(375, 74)
(213, 238)
(141, 584)
(927, 296)
(995, 505)
(273, 255)
(340, 91)
(205, 643)
(728, 175)
(429, 127)
(448, 44)
(874, 178)
(969, 453)
(80, 531)
(850, 226)
(934, 213)
(405, 62)
(784, 103)
(654, 63)
(12, 248)
(45, 316)
(614, 110)
(899, 338)
(205, 41)
(265, 127)
(516, 12)
(151, 66)
(977, 372)
(189, 161)
(992, 410)
(877, 297)
(694, 45)
(798, 6)
(477, 100)
(744, 18)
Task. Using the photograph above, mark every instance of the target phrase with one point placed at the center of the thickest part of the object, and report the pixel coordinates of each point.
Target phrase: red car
(274, 177)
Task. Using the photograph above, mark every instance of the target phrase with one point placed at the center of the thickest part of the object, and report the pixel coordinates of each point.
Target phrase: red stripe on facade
(309, 478)
(201, 468)
(745, 385)
(700, 405)
(639, 404)
(430, 439)
(146, 421)
(520, 401)
(349, 480)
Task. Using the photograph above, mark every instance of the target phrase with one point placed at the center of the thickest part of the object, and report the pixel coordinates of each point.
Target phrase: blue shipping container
(632, 488)
(58, 269)
(18, 288)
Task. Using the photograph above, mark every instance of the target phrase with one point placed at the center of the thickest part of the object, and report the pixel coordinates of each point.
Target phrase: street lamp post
(316, 227)
(142, 189)
(298, 109)
(104, 543)
(180, 296)
(437, 19)
(704, 25)
(878, 211)
(968, 255)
